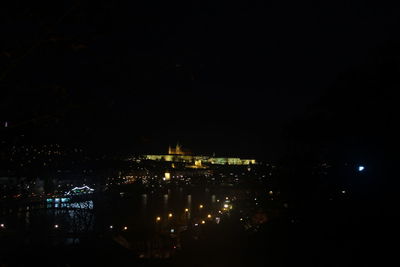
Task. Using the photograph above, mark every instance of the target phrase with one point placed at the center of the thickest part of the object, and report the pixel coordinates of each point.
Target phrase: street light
(209, 216)
(201, 206)
(186, 210)
(56, 226)
(170, 215)
(158, 219)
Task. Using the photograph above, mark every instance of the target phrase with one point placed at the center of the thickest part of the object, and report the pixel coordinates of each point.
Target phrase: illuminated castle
(178, 154)
(178, 150)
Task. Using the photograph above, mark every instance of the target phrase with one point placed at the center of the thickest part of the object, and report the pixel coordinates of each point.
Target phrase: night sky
(230, 78)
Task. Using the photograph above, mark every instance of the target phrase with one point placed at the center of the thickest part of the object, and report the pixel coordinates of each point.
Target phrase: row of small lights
(2, 225)
(56, 226)
(209, 216)
(170, 215)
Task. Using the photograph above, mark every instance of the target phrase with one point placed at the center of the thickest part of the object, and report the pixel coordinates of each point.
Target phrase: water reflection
(213, 198)
(138, 212)
(144, 201)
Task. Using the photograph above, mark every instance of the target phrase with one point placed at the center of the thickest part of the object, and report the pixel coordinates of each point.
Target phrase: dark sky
(226, 78)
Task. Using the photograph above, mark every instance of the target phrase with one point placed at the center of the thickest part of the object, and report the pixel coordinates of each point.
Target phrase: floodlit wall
(200, 159)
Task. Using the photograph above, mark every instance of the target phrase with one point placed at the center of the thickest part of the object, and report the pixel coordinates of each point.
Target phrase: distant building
(178, 150)
(177, 154)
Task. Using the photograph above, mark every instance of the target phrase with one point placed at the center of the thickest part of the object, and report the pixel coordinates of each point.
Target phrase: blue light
(360, 168)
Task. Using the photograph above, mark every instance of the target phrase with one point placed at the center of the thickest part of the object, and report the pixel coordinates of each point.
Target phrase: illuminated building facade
(178, 150)
(178, 155)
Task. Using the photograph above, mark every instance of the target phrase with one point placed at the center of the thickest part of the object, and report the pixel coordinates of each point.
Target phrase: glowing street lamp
(186, 210)
(125, 228)
(203, 222)
(56, 226)
(2, 225)
(209, 216)
(201, 206)
(170, 215)
(158, 219)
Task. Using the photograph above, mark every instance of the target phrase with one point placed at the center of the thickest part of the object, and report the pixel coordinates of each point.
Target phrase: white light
(125, 228)
(226, 205)
(361, 168)
(196, 224)
(56, 226)
(343, 191)
(172, 230)
(111, 227)
(2, 225)
(80, 188)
